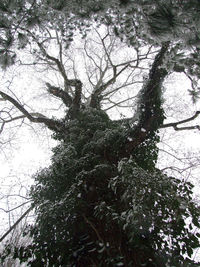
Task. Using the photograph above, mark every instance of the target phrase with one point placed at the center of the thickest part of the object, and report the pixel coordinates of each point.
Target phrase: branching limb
(74, 101)
(50, 123)
(51, 58)
(98, 91)
(175, 124)
(16, 223)
(149, 108)
(22, 117)
(7, 211)
(56, 91)
(56, 61)
(119, 104)
(111, 70)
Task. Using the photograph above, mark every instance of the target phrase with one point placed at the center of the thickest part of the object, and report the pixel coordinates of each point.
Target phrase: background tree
(102, 201)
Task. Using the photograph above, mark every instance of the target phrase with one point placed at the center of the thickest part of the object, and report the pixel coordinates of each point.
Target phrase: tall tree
(102, 201)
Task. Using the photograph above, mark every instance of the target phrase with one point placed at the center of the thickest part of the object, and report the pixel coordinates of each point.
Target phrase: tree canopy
(103, 201)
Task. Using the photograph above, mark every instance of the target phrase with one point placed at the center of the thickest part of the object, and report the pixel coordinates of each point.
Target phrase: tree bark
(150, 105)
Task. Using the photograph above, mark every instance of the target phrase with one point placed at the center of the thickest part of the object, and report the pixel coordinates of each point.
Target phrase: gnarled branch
(56, 91)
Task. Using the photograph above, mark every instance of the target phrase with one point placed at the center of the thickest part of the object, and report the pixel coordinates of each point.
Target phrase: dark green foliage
(162, 20)
(6, 59)
(146, 154)
(157, 209)
(95, 211)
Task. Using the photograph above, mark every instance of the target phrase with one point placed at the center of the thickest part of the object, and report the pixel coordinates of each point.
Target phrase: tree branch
(175, 124)
(58, 62)
(195, 127)
(50, 123)
(22, 117)
(16, 223)
(93, 227)
(56, 91)
(150, 112)
(97, 93)
(7, 211)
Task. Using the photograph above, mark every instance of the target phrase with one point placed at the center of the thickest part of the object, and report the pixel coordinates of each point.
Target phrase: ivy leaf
(6, 60)
(23, 40)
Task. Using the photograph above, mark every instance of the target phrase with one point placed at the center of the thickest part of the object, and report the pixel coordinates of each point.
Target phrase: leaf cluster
(93, 211)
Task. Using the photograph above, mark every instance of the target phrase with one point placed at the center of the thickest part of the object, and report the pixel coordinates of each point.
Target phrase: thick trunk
(150, 111)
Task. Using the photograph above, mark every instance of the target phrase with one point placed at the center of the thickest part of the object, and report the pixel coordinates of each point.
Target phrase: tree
(102, 201)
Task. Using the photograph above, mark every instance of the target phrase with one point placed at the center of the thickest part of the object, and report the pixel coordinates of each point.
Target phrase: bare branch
(7, 211)
(16, 195)
(58, 63)
(16, 223)
(117, 69)
(23, 116)
(52, 124)
(195, 127)
(2, 126)
(175, 124)
(95, 95)
(118, 104)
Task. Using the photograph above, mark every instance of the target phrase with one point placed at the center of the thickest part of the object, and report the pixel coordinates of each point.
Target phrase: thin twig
(16, 223)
